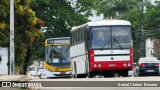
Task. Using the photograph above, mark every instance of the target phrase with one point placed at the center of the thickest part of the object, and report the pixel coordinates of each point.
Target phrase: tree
(4, 26)
(59, 16)
(152, 20)
(25, 30)
(152, 16)
(110, 8)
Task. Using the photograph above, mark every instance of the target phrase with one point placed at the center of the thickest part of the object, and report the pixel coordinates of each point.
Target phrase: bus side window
(79, 35)
(85, 32)
(74, 34)
(82, 34)
(71, 38)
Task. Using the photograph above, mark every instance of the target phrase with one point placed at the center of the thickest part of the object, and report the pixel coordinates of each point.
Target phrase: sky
(95, 18)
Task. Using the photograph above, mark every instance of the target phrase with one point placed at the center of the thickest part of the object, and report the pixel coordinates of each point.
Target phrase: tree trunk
(26, 60)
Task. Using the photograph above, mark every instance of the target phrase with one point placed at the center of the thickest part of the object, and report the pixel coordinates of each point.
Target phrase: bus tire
(125, 73)
(88, 73)
(75, 71)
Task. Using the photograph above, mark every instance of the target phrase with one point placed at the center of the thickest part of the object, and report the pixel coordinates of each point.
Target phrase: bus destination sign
(58, 41)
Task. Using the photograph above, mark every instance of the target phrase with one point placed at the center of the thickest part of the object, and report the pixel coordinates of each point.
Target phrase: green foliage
(109, 8)
(4, 26)
(152, 16)
(25, 33)
(152, 21)
(59, 16)
(134, 16)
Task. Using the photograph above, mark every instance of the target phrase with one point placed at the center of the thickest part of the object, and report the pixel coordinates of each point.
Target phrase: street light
(12, 54)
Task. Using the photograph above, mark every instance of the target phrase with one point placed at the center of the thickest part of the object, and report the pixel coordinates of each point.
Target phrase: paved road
(144, 78)
(100, 88)
(117, 83)
(153, 80)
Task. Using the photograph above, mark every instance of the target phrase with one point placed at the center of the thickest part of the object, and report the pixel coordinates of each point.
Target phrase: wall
(3, 63)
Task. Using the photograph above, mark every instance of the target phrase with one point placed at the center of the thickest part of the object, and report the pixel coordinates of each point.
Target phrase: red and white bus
(101, 48)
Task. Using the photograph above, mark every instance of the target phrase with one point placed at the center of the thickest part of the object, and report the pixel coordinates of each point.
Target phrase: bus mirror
(89, 44)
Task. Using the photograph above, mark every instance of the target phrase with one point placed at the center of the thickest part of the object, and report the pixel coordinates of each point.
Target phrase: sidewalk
(12, 78)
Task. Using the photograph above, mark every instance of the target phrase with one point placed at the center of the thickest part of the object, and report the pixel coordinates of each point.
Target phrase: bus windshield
(58, 55)
(111, 37)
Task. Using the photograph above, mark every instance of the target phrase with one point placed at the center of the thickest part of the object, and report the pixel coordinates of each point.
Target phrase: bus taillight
(157, 65)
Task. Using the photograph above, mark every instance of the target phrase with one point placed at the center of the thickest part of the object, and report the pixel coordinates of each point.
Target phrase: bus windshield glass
(101, 37)
(58, 55)
(121, 36)
(111, 37)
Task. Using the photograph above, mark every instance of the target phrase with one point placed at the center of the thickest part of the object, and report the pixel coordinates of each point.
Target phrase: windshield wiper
(106, 42)
(118, 43)
(105, 45)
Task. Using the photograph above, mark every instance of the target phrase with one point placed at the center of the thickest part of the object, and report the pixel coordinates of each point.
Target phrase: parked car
(130, 73)
(148, 65)
(32, 71)
(39, 70)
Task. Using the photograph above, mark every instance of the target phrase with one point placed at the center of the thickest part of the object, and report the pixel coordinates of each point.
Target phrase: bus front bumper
(55, 74)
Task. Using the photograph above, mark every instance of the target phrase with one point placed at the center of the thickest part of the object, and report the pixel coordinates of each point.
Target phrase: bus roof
(108, 22)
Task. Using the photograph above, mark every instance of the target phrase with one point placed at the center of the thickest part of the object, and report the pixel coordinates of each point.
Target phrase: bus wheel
(88, 73)
(75, 71)
(109, 75)
(125, 73)
(71, 75)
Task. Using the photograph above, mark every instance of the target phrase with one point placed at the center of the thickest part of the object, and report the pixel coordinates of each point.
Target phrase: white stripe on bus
(111, 51)
(115, 58)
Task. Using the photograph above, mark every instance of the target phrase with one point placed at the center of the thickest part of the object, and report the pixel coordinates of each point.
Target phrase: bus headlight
(124, 64)
(99, 65)
(95, 65)
(129, 64)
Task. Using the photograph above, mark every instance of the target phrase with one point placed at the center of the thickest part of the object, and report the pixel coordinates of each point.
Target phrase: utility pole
(142, 31)
(12, 54)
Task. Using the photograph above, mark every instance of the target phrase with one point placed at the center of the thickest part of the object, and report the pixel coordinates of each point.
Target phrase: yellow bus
(57, 56)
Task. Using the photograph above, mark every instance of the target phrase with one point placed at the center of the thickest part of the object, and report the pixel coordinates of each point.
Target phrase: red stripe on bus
(131, 57)
(91, 57)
